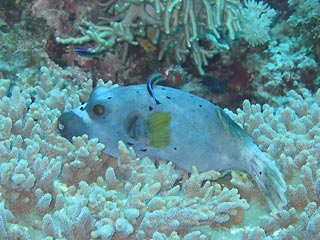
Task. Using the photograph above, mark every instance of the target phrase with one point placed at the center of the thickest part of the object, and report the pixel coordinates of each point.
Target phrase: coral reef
(51, 188)
(290, 133)
(86, 198)
(306, 16)
(260, 16)
(291, 60)
(182, 28)
(69, 190)
(289, 67)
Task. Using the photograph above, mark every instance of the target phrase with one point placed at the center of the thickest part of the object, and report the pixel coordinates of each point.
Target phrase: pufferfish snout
(178, 127)
(70, 124)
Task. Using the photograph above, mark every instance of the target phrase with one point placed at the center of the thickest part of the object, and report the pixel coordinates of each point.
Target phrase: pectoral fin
(159, 128)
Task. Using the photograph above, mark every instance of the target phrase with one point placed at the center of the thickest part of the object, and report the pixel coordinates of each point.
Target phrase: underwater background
(257, 59)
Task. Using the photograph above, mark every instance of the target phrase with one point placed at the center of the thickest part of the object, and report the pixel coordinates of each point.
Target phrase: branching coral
(60, 184)
(196, 28)
(146, 205)
(70, 190)
(289, 66)
(291, 60)
(30, 149)
(290, 134)
(52, 188)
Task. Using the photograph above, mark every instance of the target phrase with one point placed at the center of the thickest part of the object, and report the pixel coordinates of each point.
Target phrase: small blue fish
(83, 52)
(152, 81)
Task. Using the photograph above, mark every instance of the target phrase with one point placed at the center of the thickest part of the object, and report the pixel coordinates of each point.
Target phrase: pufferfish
(178, 127)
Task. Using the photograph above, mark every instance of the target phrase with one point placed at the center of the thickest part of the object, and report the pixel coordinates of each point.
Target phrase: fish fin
(268, 178)
(230, 126)
(159, 126)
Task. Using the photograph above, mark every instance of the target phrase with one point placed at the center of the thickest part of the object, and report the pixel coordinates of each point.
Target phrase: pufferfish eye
(98, 109)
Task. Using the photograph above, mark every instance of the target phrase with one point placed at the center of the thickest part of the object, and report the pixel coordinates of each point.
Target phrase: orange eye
(98, 109)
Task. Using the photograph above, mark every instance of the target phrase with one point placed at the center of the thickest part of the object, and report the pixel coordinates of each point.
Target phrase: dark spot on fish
(162, 88)
(200, 105)
(260, 173)
(175, 148)
(191, 96)
(130, 144)
(109, 97)
(137, 92)
(81, 108)
(143, 150)
(150, 108)
(168, 97)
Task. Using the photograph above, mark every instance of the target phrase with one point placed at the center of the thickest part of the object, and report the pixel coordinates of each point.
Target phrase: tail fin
(268, 178)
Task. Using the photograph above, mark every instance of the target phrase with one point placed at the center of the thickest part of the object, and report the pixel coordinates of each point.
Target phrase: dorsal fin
(230, 126)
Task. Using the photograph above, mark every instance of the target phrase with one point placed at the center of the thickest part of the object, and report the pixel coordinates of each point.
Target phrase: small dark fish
(83, 52)
(152, 81)
(214, 84)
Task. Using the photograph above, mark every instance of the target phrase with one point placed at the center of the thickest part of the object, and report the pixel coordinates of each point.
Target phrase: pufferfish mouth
(70, 124)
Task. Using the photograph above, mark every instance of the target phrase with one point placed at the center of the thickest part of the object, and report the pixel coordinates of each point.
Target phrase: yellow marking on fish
(159, 126)
(230, 126)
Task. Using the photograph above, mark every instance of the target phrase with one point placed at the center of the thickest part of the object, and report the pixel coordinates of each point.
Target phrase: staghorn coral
(144, 206)
(182, 28)
(289, 66)
(69, 190)
(31, 152)
(40, 200)
(290, 134)
(60, 185)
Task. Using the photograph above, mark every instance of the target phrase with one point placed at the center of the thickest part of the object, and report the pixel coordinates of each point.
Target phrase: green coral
(179, 28)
